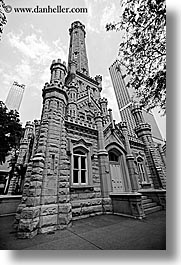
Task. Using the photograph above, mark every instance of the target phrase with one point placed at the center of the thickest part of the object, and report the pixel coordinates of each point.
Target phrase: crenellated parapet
(56, 89)
(103, 104)
(77, 25)
(58, 71)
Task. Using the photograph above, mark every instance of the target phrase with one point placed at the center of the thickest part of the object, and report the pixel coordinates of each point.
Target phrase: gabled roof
(114, 138)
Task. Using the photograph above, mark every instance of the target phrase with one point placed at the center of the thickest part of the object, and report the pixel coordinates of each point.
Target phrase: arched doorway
(118, 171)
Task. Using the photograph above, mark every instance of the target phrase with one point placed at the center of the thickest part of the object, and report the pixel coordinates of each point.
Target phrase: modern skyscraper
(15, 96)
(123, 97)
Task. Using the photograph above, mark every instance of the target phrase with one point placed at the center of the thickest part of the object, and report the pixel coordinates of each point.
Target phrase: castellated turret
(54, 93)
(25, 142)
(142, 128)
(103, 103)
(58, 71)
(72, 100)
(97, 92)
(143, 131)
(45, 173)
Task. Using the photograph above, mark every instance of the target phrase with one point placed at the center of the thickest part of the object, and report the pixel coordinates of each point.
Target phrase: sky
(31, 41)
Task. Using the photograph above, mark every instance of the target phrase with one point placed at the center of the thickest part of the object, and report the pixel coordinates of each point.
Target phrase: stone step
(146, 201)
(149, 205)
(144, 197)
(152, 210)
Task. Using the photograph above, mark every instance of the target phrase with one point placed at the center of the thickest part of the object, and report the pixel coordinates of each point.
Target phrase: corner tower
(45, 201)
(156, 165)
(77, 48)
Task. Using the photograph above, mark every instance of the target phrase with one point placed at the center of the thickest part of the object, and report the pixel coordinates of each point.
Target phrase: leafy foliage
(10, 131)
(3, 19)
(143, 49)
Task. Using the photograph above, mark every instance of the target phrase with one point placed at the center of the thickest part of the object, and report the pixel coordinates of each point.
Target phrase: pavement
(103, 232)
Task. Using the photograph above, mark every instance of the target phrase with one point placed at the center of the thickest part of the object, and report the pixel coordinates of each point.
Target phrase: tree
(3, 19)
(142, 51)
(10, 131)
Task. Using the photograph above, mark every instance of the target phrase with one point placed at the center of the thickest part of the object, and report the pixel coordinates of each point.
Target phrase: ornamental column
(129, 158)
(106, 185)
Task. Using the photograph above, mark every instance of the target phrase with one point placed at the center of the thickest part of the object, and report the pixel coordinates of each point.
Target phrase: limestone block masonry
(81, 163)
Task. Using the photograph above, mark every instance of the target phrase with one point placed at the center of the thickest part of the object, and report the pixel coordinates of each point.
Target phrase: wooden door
(117, 178)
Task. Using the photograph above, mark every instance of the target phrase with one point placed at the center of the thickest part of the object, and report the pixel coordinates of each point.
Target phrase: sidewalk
(105, 232)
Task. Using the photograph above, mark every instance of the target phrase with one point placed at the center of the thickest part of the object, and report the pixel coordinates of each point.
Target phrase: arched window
(141, 169)
(113, 157)
(80, 171)
(89, 118)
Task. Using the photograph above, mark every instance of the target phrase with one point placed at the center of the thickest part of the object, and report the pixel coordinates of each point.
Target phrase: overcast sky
(31, 41)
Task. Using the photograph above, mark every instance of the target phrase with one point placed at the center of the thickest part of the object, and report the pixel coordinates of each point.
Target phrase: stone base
(145, 185)
(43, 219)
(90, 207)
(128, 204)
(51, 217)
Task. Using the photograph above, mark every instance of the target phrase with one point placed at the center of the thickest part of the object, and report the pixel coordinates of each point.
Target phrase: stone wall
(87, 201)
(140, 152)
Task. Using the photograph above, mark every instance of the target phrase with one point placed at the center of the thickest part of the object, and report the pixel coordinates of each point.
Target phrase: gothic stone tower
(82, 163)
(77, 49)
(68, 175)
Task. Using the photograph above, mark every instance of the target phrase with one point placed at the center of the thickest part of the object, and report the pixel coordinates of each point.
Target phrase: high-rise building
(123, 96)
(15, 95)
(78, 162)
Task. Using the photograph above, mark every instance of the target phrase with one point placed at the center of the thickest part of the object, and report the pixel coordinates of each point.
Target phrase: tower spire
(77, 49)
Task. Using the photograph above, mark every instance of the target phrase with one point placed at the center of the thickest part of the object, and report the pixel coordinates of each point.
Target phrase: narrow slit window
(53, 162)
(141, 169)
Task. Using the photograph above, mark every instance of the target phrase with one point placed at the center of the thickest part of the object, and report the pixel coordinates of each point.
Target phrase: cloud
(100, 12)
(34, 58)
(90, 27)
(108, 15)
(33, 47)
(21, 73)
(93, 15)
